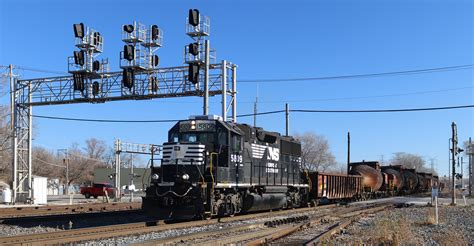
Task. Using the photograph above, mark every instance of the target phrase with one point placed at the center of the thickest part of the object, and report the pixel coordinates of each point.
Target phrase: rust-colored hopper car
(330, 187)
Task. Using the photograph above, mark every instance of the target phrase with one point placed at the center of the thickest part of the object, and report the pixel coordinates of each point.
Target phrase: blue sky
(273, 39)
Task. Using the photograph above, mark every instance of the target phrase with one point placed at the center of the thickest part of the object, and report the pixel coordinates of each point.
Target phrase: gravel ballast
(411, 226)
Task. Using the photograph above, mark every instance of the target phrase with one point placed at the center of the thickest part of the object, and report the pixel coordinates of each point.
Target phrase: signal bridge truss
(131, 148)
(147, 84)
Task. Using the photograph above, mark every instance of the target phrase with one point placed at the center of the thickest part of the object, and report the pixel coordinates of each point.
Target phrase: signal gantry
(140, 79)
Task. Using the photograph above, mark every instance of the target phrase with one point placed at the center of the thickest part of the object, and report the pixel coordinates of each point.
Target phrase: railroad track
(261, 233)
(18, 212)
(266, 232)
(317, 230)
(103, 232)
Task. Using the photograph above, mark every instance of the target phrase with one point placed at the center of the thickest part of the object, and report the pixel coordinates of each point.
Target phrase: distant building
(141, 179)
(54, 187)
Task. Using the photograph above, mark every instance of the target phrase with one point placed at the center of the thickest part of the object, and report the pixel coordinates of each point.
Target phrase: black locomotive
(212, 167)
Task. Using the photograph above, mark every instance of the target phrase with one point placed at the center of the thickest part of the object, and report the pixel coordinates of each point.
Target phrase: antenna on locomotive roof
(255, 109)
(287, 119)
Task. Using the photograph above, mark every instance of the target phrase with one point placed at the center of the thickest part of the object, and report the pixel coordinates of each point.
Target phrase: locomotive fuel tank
(370, 171)
(266, 201)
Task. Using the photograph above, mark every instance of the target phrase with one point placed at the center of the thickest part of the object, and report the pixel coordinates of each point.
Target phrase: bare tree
(46, 163)
(466, 147)
(95, 148)
(409, 161)
(5, 145)
(340, 168)
(315, 152)
(82, 162)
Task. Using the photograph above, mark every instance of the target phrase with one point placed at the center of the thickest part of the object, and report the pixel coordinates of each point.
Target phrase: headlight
(155, 176)
(185, 176)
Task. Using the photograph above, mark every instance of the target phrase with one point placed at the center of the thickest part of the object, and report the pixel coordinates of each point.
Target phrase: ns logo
(273, 154)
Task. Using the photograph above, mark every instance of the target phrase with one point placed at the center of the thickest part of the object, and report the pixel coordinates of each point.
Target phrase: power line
(368, 75)
(85, 157)
(49, 163)
(351, 76)
(267, 113)
(381, 110)
(364, 97)
(41, 70)
(103, 120)
(262, 113)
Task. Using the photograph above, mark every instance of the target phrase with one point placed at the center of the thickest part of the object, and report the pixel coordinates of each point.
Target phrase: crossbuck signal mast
(140, 79)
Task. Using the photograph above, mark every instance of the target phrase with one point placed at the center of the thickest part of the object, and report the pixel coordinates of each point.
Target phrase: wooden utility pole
(454, 145)
(348, 150)
(470, 155)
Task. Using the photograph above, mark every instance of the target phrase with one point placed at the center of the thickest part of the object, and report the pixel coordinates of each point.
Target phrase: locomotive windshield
(192, 137)
(194, 131)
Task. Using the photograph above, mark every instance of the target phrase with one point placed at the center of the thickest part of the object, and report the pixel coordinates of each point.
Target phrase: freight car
(410, 181)
(393, 179)
(372, 178)
(330, 188)
(213, 167)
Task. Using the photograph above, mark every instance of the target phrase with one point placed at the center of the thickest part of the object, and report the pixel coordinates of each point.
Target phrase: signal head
(194, 49)
(79, 30)
(193, 17)
(95, 88)
(79, 57)
(96, 66)
(128, 78)
(193, 73)
(129, 52)
(156, 60)
(155, 32)
(128, 28)
(78, 82)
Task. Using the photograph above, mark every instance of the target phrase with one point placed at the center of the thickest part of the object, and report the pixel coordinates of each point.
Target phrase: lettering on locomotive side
(272, 167)
(236, 158)
(258, 151)
(273, 154)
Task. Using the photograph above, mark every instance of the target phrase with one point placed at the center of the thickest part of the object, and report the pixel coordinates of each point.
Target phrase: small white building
(40, 190)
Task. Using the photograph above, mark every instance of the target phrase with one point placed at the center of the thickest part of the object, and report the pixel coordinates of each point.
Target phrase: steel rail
(19, 212)
(336, 227)
(261, 230)
(342, 213)
(102, 232)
